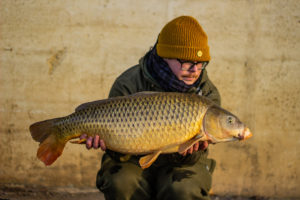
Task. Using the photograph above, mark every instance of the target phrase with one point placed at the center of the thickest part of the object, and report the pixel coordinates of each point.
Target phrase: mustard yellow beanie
(183, 38)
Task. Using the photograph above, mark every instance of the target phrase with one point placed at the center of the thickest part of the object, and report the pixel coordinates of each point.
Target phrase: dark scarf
(162, 73)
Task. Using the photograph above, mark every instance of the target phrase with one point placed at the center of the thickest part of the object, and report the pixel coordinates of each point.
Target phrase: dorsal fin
(93, 103)
(144, 93)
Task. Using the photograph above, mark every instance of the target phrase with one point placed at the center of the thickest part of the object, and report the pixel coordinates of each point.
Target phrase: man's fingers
(204, 145)
(83, 136)
(89, 142)
(102, 145)
(93, 142)
(184, 153)
(196, 146)
(190, 150)
(96, 142)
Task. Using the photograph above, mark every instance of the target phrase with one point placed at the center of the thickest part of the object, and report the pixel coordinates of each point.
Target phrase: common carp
(146, 123)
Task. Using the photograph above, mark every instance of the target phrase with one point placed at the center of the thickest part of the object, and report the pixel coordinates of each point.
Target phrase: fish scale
(147, 123)
(145, 118)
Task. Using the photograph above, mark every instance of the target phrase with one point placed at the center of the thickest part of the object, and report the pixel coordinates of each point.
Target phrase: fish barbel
(146, 123)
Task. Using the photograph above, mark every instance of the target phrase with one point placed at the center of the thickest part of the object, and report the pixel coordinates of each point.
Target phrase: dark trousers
(126, 180)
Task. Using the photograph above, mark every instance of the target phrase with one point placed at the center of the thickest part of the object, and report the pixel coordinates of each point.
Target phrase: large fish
(146, 123)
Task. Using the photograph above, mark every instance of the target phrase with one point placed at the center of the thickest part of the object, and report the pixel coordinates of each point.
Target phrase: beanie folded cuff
(183, 52)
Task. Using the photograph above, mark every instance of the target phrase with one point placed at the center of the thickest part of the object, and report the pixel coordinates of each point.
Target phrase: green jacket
(137, 79)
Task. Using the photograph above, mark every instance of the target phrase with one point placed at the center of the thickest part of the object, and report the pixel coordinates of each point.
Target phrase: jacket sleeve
(127, 83)
(119, 89)
(210, 91)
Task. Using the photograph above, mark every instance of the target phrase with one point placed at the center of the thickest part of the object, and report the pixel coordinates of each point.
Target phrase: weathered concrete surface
(55, 55)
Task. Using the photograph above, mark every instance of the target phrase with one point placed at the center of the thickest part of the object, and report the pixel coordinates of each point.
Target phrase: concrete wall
(55, 55)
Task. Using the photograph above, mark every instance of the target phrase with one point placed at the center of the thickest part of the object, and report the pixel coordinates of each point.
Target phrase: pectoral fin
(146, 161)
(188, 144)
(82, 141)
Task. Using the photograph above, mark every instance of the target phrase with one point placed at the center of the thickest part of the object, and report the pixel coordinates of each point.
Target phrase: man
(176, 63)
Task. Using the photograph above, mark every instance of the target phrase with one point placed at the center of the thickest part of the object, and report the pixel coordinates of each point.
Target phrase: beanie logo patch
(199, 53)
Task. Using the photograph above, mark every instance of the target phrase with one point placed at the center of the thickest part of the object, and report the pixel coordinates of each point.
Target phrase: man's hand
(94, 142)
(196, 147)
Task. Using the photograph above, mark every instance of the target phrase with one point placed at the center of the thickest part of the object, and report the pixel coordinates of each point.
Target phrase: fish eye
(230, 119)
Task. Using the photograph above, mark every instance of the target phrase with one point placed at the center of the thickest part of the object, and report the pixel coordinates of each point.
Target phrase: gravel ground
(16, 192)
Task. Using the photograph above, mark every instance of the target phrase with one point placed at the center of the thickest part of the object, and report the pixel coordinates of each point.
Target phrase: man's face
(189, 76)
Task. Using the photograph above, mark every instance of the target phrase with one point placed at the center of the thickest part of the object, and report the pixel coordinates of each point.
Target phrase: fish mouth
(245, 135)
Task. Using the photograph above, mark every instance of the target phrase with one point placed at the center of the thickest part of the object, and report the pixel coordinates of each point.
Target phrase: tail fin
(51, 147)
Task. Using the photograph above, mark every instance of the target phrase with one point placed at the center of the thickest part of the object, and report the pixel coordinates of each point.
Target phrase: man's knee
(115, 176)
(192, 182)
(178, 191)
(122, 182)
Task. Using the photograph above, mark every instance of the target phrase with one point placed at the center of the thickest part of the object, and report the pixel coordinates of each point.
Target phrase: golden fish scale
(139, 124)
